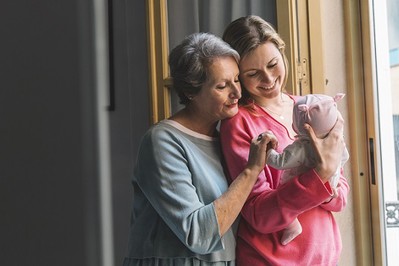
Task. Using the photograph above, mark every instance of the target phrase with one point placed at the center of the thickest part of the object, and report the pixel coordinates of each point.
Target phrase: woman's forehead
(260, 56)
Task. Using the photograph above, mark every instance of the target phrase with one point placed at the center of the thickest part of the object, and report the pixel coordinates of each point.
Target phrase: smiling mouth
(269, 87)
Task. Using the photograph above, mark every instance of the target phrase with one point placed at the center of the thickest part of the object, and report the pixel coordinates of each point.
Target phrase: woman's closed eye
(272, 65)
(221, 86)
(253, 74)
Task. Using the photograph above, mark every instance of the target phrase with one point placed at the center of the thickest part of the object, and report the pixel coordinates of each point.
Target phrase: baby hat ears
(338, 96)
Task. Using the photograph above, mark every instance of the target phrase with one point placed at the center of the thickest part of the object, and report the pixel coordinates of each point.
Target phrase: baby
(321, 113)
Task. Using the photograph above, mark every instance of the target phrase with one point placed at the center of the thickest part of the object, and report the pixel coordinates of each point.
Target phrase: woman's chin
(232, 110)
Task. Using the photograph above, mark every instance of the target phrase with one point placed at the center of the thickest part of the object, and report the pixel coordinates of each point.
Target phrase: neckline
(188, 131)
(268, 110)
(280, 122)
(275, 114)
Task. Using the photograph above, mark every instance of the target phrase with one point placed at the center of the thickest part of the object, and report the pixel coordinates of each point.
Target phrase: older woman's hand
(258, 149)
(329, 149)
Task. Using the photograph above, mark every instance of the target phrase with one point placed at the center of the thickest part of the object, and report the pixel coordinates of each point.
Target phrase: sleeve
(270, 207)
(338, 203)
(164, 177)
(292, 156)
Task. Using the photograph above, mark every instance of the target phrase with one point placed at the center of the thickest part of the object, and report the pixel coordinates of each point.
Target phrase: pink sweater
(271, 208)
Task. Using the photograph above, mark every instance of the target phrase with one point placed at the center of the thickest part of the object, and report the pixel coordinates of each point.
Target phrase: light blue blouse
(178, 175)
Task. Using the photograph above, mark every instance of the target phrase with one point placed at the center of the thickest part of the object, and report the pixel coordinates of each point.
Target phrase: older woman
(183, 209)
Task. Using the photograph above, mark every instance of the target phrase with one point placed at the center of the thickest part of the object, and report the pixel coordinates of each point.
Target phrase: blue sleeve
(163, 174)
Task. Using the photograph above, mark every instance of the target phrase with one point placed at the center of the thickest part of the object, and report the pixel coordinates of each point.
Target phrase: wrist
(252, 171)
(324, 174)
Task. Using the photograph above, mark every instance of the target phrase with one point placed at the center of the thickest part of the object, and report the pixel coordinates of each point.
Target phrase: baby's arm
(292, 156)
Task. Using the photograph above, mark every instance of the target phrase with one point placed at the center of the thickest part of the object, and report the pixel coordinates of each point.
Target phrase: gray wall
(49, 200)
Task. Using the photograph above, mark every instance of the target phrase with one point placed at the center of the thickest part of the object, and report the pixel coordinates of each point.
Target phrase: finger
(271, 138)
(310, 131)
(263, 134)
(261, 140)
(339, 126)
(313, 139)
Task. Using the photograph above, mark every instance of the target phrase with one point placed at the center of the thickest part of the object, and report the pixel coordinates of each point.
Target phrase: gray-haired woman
(183, 209)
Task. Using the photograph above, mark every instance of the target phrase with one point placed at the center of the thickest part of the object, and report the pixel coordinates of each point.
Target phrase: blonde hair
(245, 34)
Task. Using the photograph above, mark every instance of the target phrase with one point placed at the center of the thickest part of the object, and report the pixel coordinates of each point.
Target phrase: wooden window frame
(360, 81)
(303, 37)
(301, 55)
(158, 51)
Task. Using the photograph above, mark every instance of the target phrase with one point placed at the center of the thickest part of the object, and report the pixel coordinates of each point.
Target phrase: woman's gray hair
(189, 62)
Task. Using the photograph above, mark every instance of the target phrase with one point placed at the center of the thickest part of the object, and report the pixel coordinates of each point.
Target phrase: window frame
(158, 49)
(369, 249)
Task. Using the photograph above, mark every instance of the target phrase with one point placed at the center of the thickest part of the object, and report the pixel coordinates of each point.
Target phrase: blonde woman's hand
(328, 150)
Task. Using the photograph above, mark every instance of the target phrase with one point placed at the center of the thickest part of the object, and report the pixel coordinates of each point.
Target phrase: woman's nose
(266, 76)
(236, 90)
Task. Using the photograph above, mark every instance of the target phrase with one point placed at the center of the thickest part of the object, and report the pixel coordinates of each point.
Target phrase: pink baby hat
(318, 110)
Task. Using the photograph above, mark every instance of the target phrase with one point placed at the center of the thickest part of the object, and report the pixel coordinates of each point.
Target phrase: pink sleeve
(269, 207)
(338, 204)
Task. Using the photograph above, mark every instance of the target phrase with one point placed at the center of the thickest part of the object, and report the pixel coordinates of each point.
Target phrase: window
(289, 16)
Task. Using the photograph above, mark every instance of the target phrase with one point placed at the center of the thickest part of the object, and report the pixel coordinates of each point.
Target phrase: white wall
(334, 54)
